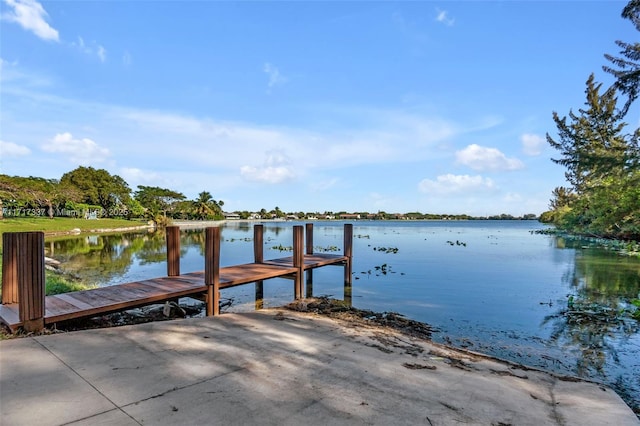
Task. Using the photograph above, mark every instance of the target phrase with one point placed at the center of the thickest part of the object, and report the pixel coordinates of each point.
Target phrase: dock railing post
(9, 268)
(309, 250)
(24, 282)
(258, 257)
(173, 250)
(298, 259)
(309, 238)
(348, 252)
(258, 243)
(212, 269)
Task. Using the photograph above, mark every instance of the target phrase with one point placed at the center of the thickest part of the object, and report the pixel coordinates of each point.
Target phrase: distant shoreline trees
(91, 193)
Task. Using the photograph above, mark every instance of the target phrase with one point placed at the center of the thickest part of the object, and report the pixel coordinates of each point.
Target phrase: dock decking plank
(311, 261)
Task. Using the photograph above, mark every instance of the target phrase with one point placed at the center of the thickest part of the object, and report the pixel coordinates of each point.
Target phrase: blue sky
(438, 107)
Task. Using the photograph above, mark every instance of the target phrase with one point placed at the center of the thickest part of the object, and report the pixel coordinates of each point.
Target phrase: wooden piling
(298, 259)
(23, 253)
(258, 257)
(173, 250)
(309, 238)
(9, 268)
(348, 251)
(258, 243)
(212, 270)
(309, 250)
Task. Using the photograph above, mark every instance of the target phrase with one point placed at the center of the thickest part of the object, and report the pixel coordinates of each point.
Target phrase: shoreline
(291, 367)
(346, 319)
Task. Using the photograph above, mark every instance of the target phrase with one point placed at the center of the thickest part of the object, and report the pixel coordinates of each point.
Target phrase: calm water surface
(489, 286)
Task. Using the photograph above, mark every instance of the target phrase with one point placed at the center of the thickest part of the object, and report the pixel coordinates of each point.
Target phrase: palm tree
(202, 205)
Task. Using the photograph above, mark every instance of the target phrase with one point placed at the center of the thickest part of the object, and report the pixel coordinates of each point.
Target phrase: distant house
(231, 216)
(351, 216)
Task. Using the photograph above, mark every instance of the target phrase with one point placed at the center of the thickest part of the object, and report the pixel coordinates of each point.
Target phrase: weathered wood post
(298, 259)
(212, 269)
(173, 250)
(9, 268)
(24, 282)
(258, 257)
(348, 252)
(309, 238)
(258, 243)
(309, 250)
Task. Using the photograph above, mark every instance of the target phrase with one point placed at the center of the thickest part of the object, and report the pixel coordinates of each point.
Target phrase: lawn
(63, 224)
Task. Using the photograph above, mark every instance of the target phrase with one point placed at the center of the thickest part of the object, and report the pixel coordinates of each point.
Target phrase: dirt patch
(362, 317)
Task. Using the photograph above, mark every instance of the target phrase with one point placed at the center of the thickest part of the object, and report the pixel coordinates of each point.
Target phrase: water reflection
(594, 324)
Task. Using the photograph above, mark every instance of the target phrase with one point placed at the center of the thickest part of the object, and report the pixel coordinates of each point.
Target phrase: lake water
(489, 286)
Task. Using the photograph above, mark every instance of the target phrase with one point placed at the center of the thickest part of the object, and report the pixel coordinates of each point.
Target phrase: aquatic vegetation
(280, 247)
(623, 247)
(326, 249)
(635, 313)
(386, 249)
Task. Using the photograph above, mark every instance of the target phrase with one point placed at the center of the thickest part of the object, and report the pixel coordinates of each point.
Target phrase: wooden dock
(24, 304)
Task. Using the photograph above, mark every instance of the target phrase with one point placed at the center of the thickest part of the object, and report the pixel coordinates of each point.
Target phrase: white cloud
(482, 158)
(10, 149)
(532, 144)
(127, 59)
(443, 17)
(324, 184)
(139, 177)
(275, 78)
(82, 151)
(31, 16)
(102, 54)
(450, 184)
(277, 169)
(90, 49)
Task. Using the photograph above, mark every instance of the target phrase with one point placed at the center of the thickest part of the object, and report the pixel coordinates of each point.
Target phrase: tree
(562, 197)
(157, 200)
(98, 187)
(627, 73)
(30, 195)
(602, 167)
(206, 207)
(592, 145)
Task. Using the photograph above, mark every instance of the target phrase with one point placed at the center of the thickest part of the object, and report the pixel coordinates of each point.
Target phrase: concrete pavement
(277, 367)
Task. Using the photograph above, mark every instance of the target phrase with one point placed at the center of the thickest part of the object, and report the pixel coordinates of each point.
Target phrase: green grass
(62, 224)
(55, 284)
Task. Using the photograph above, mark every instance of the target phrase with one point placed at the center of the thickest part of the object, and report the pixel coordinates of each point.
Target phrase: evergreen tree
(627, 73)
(602, 167)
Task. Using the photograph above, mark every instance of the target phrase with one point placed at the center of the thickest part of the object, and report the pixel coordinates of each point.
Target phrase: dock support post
(173, 250)
(258, 243)
(298, 259)
(309, 250)
(309, 238)
(212, 269)
(23, 276)
(258, 257)
(9, 268)
(348, 252)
